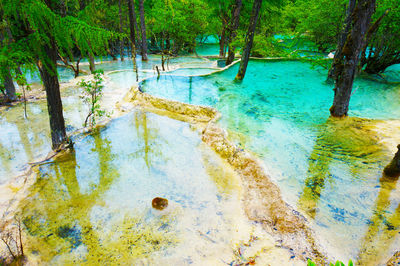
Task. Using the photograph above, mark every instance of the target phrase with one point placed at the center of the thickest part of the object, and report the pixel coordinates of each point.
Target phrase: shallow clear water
(208, 49)
(24, 140)
(89, 205)
(64, 75)
(329, 168)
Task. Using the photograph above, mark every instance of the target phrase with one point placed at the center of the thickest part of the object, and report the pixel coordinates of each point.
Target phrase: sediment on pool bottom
(263, 200)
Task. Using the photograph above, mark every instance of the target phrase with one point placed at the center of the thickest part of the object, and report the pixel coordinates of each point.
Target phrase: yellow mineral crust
(262, 198)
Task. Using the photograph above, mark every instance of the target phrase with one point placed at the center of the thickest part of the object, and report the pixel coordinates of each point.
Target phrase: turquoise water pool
(328, 168)
(95, 202)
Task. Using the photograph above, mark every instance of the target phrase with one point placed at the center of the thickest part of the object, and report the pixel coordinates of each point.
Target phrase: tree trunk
(370, 33)
(222, 42)
(249, 39)
(393, 168)
(82, 4)
(48, 73)
(342, 38)
(76, 70)
(162, 54)
(121, 42)
(8, 81)
(92, 65)
(350, 53)
(232, 31)
(143, 29)
(168, 43)
(9, 86)
(132, 21)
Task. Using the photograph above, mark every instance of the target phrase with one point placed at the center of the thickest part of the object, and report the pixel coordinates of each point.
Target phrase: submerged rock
(159, 203)
(393, 168)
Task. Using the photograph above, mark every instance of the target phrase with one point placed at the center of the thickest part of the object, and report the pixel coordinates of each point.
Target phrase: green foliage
(337, 263)
(310, 263)
(319, 20)
(21, 81)
(35, 24)
(267, 47)
(91, 95)
(384, 46)
(178, 20)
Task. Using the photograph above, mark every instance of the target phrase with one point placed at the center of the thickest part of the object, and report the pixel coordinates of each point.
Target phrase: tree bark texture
(364, 59)
(48, 73)
(249, 39)
(121, 42)
(132, 21)
(143, 29)
(9, 86)
(346, 68)
(232, 31)
(342, 39)
(92, 65)
(222, 42)
(7, 79)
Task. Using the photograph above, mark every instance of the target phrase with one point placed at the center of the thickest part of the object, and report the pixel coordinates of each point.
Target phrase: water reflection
(58, 212)
(22, 139)
(25, 140)
(350, 145)
(339, 141)
(64, 214)
(329, 168)
(91, 204)
(381, 236)
(148, 136)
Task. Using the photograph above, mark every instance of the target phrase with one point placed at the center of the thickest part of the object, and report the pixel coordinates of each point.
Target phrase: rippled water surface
(94, 204)
(25, 140)
(329, 168)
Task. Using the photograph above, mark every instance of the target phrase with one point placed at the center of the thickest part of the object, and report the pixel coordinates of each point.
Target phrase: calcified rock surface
(395, 260)
(262, 198)
(173, 109)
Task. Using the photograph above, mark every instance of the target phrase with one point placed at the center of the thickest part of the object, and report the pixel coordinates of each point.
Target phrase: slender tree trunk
(76, 70)
(8, 81)
(9, 86)
(133, 24)
(337, 59)
(82, 4)
(350, 53)
(121, 42)
(48, 73)
(168, 43)
(132, 21)
(162, 53)
(370, 33)
(222, 42)
(249, 39)
(232, 31)
(143, 29)
(92, 65)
